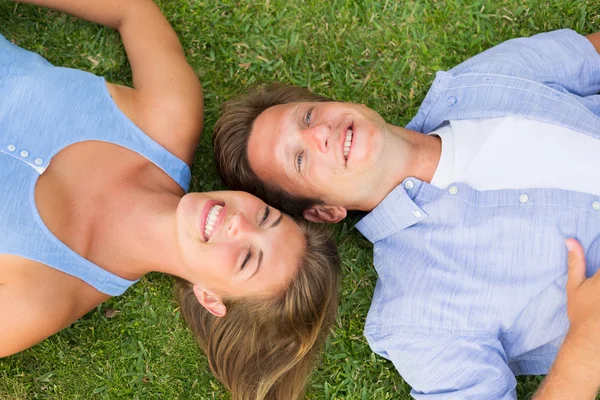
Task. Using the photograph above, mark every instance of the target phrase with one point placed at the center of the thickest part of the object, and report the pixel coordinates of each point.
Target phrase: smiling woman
(95, 198)
(265, 292)
(245, 236)
(265, 347)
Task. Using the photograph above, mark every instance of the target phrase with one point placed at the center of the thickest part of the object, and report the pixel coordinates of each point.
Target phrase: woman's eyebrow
(260, 257)
(260, 253)
(277, 221)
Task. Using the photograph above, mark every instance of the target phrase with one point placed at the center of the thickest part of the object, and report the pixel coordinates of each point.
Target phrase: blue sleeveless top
(44, 109)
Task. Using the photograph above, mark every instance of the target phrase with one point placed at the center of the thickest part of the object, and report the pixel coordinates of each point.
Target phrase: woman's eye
(308, 115)
(266, 216)
(299, 161)
(247, 259)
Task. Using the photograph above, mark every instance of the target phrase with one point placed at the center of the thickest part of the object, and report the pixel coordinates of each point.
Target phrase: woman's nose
(239, 225)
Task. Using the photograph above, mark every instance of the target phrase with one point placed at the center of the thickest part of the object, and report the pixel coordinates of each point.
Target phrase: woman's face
(234, 245)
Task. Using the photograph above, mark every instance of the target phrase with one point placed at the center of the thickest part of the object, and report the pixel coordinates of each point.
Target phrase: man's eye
(266, 216)
(308, 115)
(247, 259)
(299, 161)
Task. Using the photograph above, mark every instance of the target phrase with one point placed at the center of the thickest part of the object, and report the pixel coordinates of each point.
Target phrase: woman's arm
(168, 95)
(28, 315)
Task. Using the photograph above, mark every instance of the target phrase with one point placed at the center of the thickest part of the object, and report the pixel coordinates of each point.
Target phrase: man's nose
(239, 225)
(320, 137)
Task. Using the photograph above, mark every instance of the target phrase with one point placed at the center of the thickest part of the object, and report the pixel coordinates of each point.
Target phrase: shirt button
(11, 147)
(523, 198)
(417, 214)
(451, 100)
(596, 205)
(24, 153)
(409, 185)
(453, 190)
(38, 161)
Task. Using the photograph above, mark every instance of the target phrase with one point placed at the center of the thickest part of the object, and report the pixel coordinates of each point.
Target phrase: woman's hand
(576, 371)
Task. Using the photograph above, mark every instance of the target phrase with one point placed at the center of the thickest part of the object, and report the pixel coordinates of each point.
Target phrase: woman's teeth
(211, 220)
(348, 142)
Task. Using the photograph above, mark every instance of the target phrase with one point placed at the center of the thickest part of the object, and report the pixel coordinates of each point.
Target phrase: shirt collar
(396, 212)
(443, 173)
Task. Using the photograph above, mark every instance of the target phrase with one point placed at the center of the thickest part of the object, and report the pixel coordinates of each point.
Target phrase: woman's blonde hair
(265, 348)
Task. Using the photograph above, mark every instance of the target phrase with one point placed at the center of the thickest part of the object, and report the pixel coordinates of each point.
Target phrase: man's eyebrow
(260, 257)
(296, 111)
(286, 149)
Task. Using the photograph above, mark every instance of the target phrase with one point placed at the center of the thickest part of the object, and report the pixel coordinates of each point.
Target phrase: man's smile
(347, 143)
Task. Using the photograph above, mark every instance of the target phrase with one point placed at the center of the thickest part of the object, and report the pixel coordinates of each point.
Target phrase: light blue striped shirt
(471, 288)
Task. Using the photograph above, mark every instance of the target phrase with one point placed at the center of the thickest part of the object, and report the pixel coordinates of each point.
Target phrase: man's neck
(412, 154)
(424, 157)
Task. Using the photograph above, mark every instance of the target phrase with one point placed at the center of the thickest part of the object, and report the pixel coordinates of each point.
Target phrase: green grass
(383, 53)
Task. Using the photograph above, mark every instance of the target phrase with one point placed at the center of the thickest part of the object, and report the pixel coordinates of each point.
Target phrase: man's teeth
(211, 220)
(348, 142)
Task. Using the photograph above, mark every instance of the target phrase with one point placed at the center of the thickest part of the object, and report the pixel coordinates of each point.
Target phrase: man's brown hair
(230, 142)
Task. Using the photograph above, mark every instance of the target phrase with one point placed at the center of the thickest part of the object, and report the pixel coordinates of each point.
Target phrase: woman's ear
(324, 213)
(210, 301)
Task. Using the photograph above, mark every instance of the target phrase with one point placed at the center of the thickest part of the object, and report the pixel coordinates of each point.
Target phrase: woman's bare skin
(96, 197)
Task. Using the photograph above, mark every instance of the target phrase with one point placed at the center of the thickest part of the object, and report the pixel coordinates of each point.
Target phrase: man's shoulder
(525, 56)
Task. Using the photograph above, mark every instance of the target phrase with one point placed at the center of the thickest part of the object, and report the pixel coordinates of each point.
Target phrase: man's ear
(324, 213)
(210, 301)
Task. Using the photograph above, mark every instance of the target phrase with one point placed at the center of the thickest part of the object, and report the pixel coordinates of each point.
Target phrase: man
(468, 221)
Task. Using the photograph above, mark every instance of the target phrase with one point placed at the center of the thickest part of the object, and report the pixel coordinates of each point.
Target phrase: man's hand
(583, 296)
(576, 371)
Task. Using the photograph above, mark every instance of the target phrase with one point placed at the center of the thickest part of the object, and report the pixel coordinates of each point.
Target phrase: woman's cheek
(226, 257)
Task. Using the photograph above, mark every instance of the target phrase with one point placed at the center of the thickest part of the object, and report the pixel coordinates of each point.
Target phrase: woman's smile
(211, 218)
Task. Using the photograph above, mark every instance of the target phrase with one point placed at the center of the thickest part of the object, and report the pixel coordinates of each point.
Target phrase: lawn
(382, 53)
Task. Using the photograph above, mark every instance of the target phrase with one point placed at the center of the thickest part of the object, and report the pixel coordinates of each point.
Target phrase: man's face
(330, 151)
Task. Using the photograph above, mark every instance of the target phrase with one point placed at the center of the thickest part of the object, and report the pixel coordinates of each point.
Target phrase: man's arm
(167, 96)
(594, 38)
(576, 372)
(560, 59)
(445, 366)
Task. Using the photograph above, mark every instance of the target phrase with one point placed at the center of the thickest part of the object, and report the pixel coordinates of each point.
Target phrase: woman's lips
(204, 215)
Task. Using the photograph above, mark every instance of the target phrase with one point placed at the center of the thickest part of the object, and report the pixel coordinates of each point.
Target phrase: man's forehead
(278, 112)
(271, 133)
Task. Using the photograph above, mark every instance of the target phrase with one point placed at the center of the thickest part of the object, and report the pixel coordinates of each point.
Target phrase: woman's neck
(145, 240)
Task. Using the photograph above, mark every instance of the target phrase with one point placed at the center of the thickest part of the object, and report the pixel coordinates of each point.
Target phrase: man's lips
(343, 136)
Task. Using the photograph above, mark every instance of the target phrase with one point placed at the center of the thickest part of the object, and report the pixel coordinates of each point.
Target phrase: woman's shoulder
(167, 121)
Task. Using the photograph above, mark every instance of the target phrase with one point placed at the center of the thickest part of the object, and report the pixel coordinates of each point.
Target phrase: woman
(93, 176)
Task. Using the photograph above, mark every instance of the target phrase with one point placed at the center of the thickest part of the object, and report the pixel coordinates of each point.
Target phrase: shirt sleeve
(444, 367)
(560, 58)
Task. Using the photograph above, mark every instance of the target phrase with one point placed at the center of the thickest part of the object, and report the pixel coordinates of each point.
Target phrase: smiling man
(468, 206)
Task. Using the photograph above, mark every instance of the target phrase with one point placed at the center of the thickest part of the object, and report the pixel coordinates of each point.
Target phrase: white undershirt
(517, 153)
